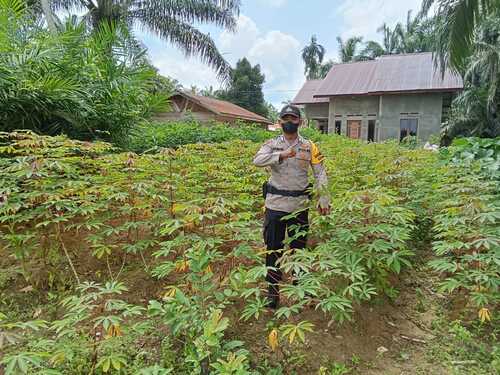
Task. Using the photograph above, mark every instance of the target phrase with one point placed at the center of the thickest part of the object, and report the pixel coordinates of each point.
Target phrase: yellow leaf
(170, 292)
(273, 339)
(114, 330)
(291, 337)
(182, 266)
(208, 269)
(484, 314)
(57, 358)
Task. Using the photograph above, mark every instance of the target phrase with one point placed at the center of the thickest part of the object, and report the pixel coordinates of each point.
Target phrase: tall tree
(245, 88)
(416, 35)
(456, 22)
(171, 20)
(371, 51)
(476, 111)
(348, 49)
(325, 68)
(313, 55)
(391, 38)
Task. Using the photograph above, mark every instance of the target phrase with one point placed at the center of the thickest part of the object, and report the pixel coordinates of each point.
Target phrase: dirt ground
(385, 337)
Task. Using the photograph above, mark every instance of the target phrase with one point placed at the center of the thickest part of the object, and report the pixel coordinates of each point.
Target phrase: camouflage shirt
(292, 173)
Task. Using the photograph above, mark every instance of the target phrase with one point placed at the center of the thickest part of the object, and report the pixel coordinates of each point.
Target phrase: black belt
(267, 188)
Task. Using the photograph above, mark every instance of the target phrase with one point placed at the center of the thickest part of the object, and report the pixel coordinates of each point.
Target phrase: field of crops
(117, 263)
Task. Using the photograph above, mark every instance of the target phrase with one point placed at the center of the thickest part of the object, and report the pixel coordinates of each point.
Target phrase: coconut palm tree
(171, 20)
(456, 24)
(348, 49)
(313, 55)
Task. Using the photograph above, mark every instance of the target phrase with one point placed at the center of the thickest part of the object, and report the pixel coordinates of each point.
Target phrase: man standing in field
(289, 157)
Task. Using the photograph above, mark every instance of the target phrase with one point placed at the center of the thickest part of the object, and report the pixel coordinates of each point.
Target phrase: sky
(272, 33)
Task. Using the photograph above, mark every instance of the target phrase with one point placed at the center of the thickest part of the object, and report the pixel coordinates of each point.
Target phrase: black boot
(273, 296)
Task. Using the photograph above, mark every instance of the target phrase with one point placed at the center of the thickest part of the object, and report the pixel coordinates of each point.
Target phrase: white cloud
(237, 44)
(279, 57)
(277, 53)
(187, 71)
(363, 17)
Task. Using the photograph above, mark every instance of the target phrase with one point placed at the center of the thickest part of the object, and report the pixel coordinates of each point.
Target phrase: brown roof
(404, 73)
(223, 108)
(305, 95)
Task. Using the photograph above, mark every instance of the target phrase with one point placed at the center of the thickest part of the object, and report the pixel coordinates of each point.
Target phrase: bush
(148, 135)
(86, 85)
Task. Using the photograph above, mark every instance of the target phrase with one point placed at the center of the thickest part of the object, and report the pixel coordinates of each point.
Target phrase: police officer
(289, 156)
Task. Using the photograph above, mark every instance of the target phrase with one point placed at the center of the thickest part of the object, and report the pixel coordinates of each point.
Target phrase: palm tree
(391, 42)
(371, 51)
(313, 55)
(456, 24)
(348, 49)
(476, 110)
(325, 68)
(171, 20)
(416, 35)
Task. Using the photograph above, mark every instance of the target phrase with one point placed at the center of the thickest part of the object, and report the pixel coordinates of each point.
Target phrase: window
(407, 127)
(371, 130)
(338, 125)
(323, 126)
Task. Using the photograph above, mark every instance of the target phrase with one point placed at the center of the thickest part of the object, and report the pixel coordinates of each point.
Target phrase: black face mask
(290, 127)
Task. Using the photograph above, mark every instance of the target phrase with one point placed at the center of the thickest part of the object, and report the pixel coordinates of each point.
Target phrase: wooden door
(354, 129)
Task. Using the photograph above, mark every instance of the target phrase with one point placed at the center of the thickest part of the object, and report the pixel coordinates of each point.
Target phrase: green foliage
(170, 20)
(474, 112)
(466, 224)
(456, 24)
(187, 223)
(477, 151)
(313, 55)
(174, 134)
(148, 136)
(245, 88)
(88, 86)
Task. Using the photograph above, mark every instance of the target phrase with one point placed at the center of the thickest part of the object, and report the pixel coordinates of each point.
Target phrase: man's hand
(324, 210)
(289, 153)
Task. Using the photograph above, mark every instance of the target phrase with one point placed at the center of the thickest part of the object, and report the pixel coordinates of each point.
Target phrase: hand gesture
(289, 153)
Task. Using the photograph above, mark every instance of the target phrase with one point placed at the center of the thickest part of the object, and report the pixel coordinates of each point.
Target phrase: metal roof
(224, 108)
(305, 95)
(403, 73)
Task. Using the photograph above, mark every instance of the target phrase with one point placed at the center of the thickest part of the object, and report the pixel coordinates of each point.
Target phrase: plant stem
(66, 253)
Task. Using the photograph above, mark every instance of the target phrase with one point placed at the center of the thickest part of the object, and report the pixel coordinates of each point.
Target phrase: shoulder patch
(316, 156)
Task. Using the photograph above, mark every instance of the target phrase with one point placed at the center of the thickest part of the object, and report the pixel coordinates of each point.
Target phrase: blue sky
(273, 32)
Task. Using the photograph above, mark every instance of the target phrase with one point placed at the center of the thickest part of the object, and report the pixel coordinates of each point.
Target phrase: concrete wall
(316, 110)
(362, 108)
(426, 107)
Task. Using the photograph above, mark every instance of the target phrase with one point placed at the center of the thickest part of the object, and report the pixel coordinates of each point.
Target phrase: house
(205, 109)
(390, 97)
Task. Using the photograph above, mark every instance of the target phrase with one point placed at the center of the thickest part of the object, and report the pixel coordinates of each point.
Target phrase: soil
(385, 337)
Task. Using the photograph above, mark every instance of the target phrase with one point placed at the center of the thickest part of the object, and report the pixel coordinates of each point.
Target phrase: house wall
(316, 110)
(426, 107)
(362, 108)
(387, 110)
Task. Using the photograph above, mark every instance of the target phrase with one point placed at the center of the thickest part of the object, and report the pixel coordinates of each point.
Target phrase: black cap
(290, 109)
